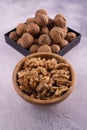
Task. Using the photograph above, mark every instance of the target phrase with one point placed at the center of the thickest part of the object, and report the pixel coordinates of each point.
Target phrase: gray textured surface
(15, 113)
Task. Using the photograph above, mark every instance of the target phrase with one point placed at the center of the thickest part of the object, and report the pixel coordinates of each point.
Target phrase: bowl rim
(39, 101)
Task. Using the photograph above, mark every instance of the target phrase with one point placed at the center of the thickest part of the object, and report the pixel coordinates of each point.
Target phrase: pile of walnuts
(42, 33)
(43, 79)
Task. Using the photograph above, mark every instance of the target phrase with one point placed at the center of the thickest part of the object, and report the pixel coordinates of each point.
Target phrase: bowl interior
(46, 56)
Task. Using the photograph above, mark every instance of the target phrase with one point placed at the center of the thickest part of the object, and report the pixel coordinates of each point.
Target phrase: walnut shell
(20, 29)
(56, 34)
(33, 48)
(55, 48)
(32, 28)
(44, 30)
(13, 35)
(60, 20)
(63, 43)
(44, 48)
(44, 39)
(70, 36)
(42, 20)
(40, 12)
(30, 20)
(26, 40)
(50, 24)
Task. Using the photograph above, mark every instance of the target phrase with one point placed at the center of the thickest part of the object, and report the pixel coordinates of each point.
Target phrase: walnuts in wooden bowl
(44, 78)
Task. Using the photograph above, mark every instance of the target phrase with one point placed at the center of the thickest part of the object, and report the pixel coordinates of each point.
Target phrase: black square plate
(26, 52)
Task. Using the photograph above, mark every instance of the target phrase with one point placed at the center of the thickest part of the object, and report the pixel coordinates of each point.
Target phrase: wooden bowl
(39, 101)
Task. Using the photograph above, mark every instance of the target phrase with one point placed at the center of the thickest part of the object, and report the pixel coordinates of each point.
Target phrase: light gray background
(17, 114)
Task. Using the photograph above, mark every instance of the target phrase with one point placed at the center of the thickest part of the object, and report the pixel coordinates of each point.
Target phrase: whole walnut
(32, 28)
(56, 34)
(63, 43)
(13, 35)
(30, 20)
(44, 48)
(44, 39)
(44, 30)
(33, 48)
(50, 24)
(70, 36)
(26, 40)
(55, 48)
(60, 21)
(20, 29)
(40, 11)
(42, 20)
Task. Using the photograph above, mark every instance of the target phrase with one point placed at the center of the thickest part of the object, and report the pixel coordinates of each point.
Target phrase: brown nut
(40, 12)
(44, 39)
(55, 48)
(32, 28)
(56, 34)
(42, 20)
(30, 20)
(44, 48)
(70, 36)
(44, 30)
(20, 29)
(50, 24)
(13, 35)
(60, 21)
(63, 43)
(26, 40)
(33, 48)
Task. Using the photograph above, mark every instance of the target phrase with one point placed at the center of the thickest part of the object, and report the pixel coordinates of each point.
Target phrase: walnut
(63, 43)
(55, 48)
(44, 48)
(70, 36)
(51, 64)
(40, 12)
(33, 28)
(50, 24)
(61, 90)
(33, 48)
(62, 73)
(56, 34)
(62, 66)
(44, 30)
(26, 40)
(44, 39)
(20, 29)
(26, 89)
(13, 35)
(41, 80)
(65, 82)
(42, 20)
(60, 21)
(30, 20)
